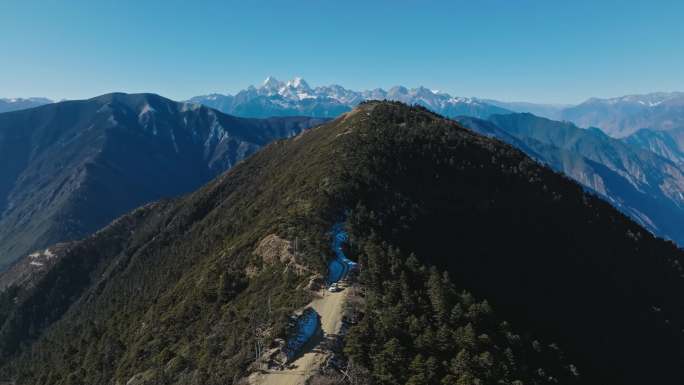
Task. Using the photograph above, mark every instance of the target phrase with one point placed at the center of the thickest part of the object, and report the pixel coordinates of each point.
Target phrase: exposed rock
(27, 270)
(273, 249)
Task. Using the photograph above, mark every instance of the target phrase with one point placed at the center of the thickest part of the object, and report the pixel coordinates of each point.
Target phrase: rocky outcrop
(26, 271)
(273, 250)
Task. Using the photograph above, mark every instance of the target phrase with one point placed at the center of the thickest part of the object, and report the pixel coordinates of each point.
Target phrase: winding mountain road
(330, 307)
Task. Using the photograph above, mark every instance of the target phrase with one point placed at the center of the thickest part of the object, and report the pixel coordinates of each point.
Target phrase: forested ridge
(549, 258)
(478, 266)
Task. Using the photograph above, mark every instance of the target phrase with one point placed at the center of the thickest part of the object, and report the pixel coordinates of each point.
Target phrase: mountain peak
(297, 97)
(298, 82)
(159, 148)
(271, 83)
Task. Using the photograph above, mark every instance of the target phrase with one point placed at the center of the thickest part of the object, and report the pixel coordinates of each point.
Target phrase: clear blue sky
(544, 50)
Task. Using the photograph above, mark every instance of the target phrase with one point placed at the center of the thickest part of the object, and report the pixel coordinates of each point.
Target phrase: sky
(548, 51)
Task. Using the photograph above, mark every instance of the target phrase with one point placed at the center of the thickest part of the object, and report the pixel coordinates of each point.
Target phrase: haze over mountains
(15, 104)
(69, 168)
(622, 116)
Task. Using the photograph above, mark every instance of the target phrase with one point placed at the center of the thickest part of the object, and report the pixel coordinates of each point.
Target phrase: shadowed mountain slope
(69, 168)
(170, 292)
(642, 184)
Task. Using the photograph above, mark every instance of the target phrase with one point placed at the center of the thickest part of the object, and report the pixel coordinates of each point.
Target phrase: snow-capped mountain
(297, 97)
(649, 100)
(14, 104)
(622, 116)
(617, 117)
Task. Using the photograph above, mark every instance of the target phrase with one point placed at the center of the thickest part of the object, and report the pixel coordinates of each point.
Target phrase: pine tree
(390, 365)
(418, 371)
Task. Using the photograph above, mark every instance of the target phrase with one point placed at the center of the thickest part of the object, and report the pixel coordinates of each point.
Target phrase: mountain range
(67, 169)
(617, 117)
(296, 97)
(477, 265)
(623, 116)
(667, 143)
(640, 173)
(644, 185)
(15, 104)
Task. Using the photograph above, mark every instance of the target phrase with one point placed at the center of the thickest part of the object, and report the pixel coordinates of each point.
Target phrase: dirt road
(330, 306)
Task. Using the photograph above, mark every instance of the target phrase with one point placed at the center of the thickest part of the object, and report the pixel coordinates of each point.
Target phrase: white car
(334, 288)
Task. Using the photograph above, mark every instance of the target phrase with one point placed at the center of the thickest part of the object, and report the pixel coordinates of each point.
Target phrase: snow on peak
(647, 100)
(272, 83)
(298, 82)
(289, 94)
(40, 100)
(296, 89)
(270, 80)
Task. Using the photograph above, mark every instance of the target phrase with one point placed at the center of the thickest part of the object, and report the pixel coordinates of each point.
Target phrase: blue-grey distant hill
(646, 186)
(623, 116)
(69, 168)
(15, 104)
(641, 173)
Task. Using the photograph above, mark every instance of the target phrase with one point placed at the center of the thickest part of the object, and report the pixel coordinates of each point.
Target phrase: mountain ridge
(14, 104)
(275, 97)
(622, 116)
(639, 182)
(433, 209)
(617, 117)
(61, 161)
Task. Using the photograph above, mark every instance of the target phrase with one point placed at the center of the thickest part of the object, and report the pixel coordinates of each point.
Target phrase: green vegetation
(419, 329)
(551, 259)
(70, 168)
(163, 296)
(164, 292)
